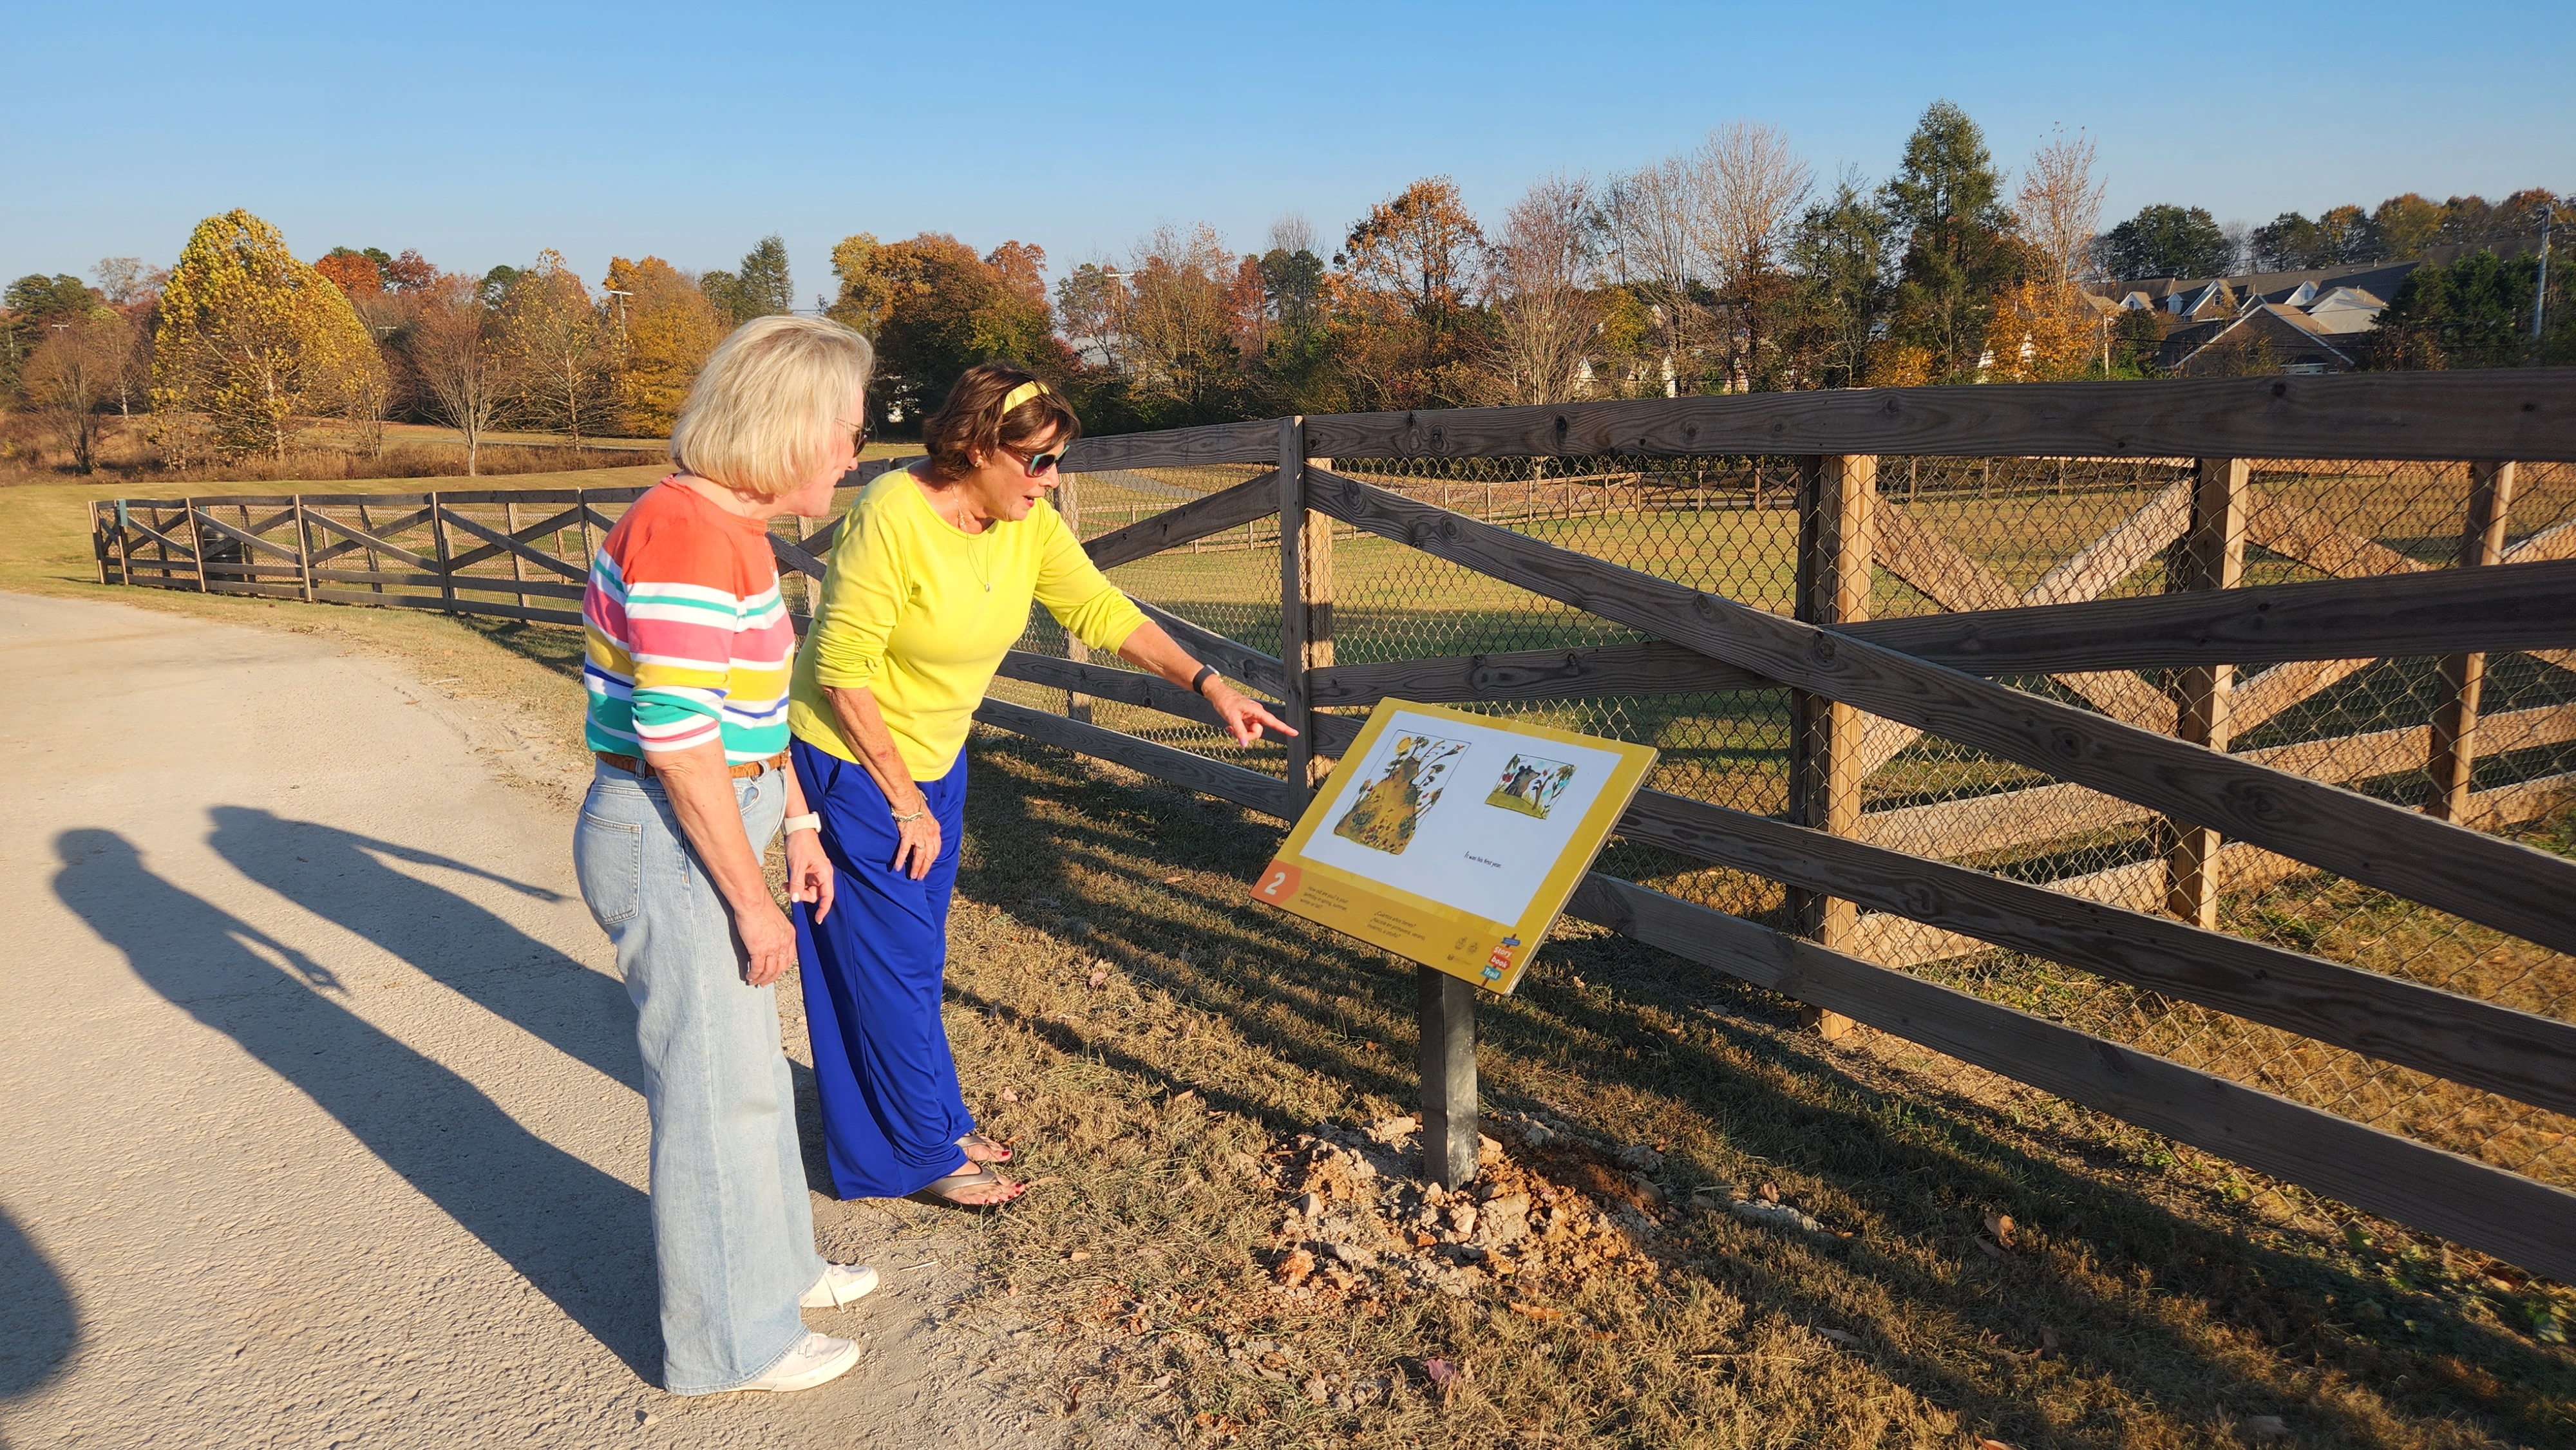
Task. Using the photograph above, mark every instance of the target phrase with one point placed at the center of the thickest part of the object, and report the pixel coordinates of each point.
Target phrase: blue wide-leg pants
(892, 1112)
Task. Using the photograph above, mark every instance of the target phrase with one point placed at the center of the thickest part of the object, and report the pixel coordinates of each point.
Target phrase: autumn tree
(2291, 243)
(252, 338)
(2042, 331)
(71, 376)
(666, 327)
(1417, 250)
(2407, 224)
(1179, 326)
(935, 309)
(559, 349)
(1960, 249)
(1544, 308)
(458, 352)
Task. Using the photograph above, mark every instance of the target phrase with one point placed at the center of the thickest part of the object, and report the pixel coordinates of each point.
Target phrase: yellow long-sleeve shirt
(919, 613)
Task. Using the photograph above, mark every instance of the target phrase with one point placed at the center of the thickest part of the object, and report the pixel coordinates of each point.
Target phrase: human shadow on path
(347, 878)
(579, 1236)
(39, 1328)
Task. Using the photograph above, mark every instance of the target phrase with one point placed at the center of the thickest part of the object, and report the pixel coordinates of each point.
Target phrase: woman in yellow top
(929, 586)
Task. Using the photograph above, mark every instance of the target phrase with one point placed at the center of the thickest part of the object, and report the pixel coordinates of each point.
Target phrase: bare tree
(71, 376)
(1653, 233)
(1749, 184)
(1293, 234)
(1550, 247)
(2059, 204)
(123, 281)
(456, 353)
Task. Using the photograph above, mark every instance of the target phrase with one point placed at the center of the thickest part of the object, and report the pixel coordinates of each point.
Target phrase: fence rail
(2038, 752)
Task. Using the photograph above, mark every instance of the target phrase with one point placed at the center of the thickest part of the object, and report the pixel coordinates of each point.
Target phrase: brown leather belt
(748, 770)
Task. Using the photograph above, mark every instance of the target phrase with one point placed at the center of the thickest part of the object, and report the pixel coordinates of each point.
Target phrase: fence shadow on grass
(1917, 1170)
(578, 1235)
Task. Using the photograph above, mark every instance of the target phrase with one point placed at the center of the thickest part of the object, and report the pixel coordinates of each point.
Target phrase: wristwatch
(810, 821)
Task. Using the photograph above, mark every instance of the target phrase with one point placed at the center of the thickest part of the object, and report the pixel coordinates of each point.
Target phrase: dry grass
(2151, 1296)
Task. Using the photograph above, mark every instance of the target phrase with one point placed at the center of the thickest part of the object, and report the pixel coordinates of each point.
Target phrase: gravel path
(321, 1124)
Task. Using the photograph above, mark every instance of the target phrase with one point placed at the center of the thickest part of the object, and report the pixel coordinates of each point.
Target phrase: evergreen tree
(1959, 245)
(2168, 241)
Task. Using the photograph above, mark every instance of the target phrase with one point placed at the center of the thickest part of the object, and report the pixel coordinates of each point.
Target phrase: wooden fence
(1864, 911)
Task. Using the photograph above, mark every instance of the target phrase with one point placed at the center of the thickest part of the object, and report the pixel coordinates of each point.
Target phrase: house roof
(2301, 344)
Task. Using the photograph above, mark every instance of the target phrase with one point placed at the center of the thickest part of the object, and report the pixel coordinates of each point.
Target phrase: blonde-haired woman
(689, 650)
(929, 586)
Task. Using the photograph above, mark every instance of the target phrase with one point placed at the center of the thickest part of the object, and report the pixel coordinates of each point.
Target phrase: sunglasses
(858, 432)
(1039, 464)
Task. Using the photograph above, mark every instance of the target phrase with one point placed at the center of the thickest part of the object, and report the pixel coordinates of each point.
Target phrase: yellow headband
(1022, 394)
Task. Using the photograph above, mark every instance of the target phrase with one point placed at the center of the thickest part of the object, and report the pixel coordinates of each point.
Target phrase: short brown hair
(973, 420)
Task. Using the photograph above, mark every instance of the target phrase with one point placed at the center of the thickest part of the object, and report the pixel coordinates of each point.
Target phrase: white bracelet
(810, 821)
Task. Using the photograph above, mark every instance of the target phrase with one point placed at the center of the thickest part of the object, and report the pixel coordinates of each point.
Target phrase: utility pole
(2540, 294)
(621, 313)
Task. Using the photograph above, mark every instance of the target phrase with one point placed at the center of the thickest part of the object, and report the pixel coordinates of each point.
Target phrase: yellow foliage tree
(668, 327)
(255, 340)
(2042, 332)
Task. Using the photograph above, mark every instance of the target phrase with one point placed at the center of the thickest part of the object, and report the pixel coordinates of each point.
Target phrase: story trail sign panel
(1454, 839)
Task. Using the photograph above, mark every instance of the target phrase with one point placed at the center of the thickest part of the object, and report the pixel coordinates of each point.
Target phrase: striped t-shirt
(688, 639)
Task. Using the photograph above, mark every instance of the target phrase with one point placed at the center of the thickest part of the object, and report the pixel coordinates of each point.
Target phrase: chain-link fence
(1950, 534)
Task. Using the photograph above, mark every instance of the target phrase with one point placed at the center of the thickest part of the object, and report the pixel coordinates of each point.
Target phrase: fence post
(2211, 556)
(303, 550)
(1294, 627)
(518, 567)
(196, 541)
(2455, 719)
(1315, 585)
(438, 543)
(98, 542)
(124, 545)
(1068, 502)
(1825, 764)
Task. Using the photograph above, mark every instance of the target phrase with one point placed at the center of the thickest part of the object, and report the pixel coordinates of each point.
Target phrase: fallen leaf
(2047, 1342)
(1295, 1269)
(2001, 1226)
(1985, 1444)
(1441, 1372)
(1770, 1192)
(1078, 1255)
(1185, 1096)
(1534, 1311)
(2266, 1427)
(1099, 975)
(1171, 881)
(1010, 1095)
(1986, 1246)
(1843, 1337)
(1162, 1382)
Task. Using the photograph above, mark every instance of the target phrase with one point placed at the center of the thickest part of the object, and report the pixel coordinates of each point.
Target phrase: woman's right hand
(768, 942)
(918, 850)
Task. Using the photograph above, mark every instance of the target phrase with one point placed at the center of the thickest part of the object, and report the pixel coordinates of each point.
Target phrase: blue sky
(480, 133)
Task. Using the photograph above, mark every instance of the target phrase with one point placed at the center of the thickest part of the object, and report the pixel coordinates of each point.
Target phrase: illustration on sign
(1530, 785)
(1470, 890)
(1402, 789)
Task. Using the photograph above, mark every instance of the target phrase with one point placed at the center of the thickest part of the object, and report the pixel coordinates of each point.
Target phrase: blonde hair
(762, 414)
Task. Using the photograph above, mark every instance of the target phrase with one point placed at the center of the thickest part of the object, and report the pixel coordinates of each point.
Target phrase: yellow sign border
(1491, 954)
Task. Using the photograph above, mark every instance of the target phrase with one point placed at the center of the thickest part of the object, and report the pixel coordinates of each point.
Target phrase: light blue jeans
(733, 1232)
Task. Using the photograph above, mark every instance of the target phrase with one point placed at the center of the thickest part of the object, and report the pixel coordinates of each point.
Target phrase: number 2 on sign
(1278, 882)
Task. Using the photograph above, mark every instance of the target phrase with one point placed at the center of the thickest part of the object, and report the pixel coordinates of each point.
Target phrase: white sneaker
(816, 1359)
(841, 1286)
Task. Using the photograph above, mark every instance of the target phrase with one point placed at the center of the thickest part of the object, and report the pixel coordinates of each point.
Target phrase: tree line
(1730, 266)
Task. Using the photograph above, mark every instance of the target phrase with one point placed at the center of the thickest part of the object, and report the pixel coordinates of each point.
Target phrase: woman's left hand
(1242, 717)
(809, 871)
